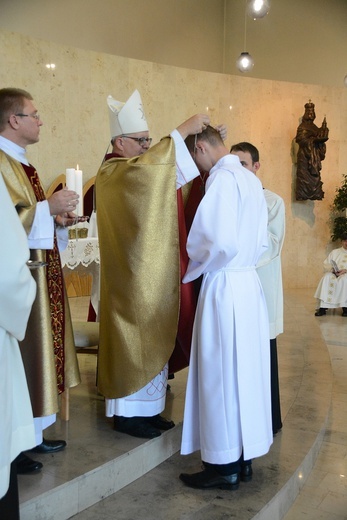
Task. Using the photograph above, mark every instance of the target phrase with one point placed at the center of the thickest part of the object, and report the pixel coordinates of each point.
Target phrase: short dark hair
(343, 236)
(11, 102)
(210, 135)
(246, 147)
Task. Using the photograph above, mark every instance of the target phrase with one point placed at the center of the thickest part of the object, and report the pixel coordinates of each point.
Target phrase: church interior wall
(71, 100)
(300, 41)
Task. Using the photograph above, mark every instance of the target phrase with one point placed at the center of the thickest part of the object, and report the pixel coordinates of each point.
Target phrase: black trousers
(230, 468)
(9, 504)
(275, 388)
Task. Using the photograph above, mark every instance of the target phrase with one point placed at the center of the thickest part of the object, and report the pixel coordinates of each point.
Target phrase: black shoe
(160, 422)
(49, 446)
(246, 472)
(136, 426)
(209, 479)
(344, 311)
(320, 312)
(27, 465)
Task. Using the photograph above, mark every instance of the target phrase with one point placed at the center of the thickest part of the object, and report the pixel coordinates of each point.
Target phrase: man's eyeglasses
(34, 116)
(141, 140)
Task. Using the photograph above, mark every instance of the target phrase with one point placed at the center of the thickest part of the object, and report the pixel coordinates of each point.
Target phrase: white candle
(79, 190)
(70, 179)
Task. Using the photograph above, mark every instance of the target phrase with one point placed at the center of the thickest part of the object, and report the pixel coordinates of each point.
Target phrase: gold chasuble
(136, 205)
(48, 349)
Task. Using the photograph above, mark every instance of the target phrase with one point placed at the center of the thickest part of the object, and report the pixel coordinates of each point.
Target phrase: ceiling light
(258, 8)
(245, 62)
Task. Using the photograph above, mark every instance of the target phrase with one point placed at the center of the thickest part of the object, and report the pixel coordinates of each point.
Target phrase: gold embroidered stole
(55, 288)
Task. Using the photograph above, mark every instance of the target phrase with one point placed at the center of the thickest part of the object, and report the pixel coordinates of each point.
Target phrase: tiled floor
(324, 496)
(305, 374)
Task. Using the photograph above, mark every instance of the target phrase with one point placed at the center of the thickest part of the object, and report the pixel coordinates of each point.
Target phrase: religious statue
(312, 148)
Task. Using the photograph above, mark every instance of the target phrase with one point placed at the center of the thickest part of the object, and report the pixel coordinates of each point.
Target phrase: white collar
(13, 150)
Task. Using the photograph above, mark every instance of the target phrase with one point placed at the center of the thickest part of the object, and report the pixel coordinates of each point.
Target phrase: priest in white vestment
(17, 293)
(269, 270)
(227, 412)
(331, 292)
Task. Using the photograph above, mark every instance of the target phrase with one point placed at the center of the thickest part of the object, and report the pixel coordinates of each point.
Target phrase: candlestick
(79, 190)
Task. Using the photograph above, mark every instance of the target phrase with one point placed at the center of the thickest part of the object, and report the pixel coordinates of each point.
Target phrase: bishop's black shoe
(136, 427)
(49, 446)
(160, 422)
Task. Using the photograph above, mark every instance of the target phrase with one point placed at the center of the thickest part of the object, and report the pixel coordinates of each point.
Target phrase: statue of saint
(312, 148)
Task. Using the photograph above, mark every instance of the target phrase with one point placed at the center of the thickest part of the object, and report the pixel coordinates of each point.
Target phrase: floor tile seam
(333, 343)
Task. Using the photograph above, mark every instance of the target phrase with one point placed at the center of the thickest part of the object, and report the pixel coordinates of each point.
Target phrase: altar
(80, 261)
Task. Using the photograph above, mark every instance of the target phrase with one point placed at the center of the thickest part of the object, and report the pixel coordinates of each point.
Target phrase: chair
(86, 335)
(56, 185)
(88, 196)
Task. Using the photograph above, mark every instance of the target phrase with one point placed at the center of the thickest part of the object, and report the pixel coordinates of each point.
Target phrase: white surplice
(146, 402)
(17, 293)
(269, 267)
(228, 401)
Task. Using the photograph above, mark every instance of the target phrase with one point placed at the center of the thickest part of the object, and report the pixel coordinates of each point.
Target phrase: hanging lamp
(245, 62)
(258, 8)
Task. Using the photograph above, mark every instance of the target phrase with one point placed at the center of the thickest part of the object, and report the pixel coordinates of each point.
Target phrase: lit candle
(79, 190)
(70, 179)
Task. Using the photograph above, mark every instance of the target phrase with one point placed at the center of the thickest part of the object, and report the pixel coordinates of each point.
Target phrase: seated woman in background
(332, 289)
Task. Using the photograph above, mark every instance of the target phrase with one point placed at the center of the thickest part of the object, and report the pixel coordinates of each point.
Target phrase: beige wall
(299, 40)
(72, 103)
(187, 33)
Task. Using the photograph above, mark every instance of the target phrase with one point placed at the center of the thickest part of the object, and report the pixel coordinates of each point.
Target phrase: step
(107, 471)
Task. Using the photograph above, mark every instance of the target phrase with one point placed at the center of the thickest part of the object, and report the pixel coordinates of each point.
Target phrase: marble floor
(105, 475)
(324, 496)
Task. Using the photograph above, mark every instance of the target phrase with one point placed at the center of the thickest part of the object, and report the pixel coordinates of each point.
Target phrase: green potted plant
(339, 206)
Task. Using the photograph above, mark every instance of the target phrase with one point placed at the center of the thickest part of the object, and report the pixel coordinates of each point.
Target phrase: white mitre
(128, 117)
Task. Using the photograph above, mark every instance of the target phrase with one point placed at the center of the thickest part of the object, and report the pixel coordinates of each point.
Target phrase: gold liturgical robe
(136, 205)
(38, 348)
